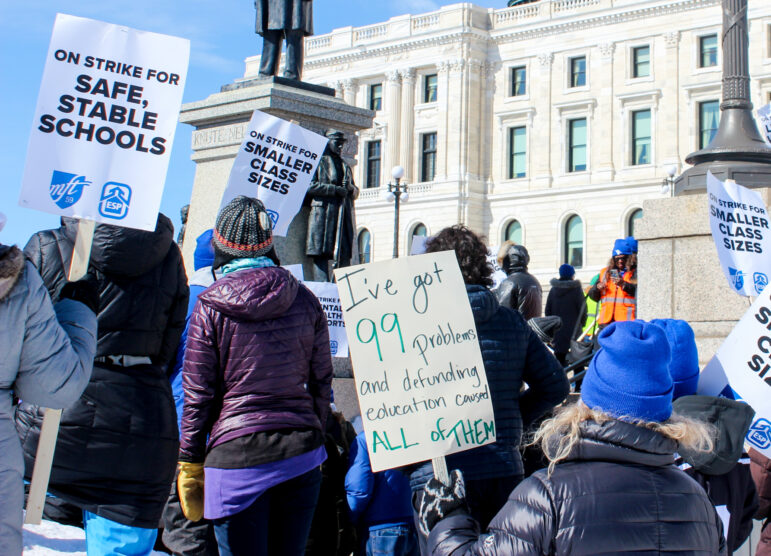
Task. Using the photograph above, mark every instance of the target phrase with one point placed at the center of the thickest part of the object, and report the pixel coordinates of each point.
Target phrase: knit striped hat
(243, 229)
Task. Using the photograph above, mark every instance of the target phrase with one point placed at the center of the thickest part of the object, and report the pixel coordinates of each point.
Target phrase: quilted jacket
(257, 359)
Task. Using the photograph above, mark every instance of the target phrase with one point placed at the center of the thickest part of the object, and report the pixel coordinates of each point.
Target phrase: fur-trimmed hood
(11, 265)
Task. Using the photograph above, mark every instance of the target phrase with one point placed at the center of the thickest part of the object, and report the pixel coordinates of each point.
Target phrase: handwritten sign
(764, 119)
(498, 274)
(743, 361)
(104, 123)
(275, 164)
(420, 378)
(740, 229)
(327, 294)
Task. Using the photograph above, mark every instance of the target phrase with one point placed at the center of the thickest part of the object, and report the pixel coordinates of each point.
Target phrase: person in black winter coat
(611, 486)
(117, 446)
(520, 290)
(566, 300)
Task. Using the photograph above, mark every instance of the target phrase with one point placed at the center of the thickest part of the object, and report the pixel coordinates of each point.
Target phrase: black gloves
(85, 291)
(440, 500)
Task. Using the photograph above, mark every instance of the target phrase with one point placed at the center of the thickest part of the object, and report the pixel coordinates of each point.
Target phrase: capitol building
(548, 123)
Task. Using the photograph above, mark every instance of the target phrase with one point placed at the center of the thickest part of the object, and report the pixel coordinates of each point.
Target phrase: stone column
(602, 128)
(407, 132)
(667, 132)
(392, 100)
(486, 129)
(456, 97)
(350, 87)
(540, 131)
(337, 86)
(442, 102)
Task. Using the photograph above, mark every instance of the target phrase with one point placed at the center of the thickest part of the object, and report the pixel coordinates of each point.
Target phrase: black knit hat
(243, 230)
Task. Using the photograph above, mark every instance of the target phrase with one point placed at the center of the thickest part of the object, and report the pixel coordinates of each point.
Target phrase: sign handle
(440, 470)
(44, 457)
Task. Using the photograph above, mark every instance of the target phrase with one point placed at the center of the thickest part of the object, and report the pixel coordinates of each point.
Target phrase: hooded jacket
(520, 290)
(47, 354)
(617, 492)
(566, 300)
(760, 466)
(257, 360)
(512, 354)
(117, 445)
(724, 473)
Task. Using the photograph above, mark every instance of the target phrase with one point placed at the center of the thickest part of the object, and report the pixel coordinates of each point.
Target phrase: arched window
(365, 244)
(632, 221)
(573, 248)
(513, 232)
(418, 229)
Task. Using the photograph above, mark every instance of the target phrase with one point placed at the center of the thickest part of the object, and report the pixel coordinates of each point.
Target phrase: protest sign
(743, 361)
(739, 224)
(275, 163)
(104, 124)
(764, 119)
(419, 373)
(328, 296)
(296, 270)
(498, 274)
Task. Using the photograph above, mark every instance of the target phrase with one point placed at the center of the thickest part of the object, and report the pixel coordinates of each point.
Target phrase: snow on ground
(52, 539)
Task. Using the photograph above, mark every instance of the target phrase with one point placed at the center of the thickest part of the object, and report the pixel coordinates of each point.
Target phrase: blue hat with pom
(684, 366)
(621, 247)
(204, 251)
(632, 243)
(629, 376)
(567, 271)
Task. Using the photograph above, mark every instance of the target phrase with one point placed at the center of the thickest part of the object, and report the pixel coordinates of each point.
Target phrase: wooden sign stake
(440, 470)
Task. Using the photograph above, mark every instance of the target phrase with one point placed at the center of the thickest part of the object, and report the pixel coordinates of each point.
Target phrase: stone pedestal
(220, 123)
(679, 274)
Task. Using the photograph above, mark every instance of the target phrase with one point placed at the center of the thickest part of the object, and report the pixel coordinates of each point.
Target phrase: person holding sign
(611, 486)
(48, 352)
(257, 382)
(512, 355)
(617, 286)
(117, 446)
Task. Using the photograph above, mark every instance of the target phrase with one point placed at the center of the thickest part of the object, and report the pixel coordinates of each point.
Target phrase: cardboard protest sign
(328, 296)
(275, 164)
(419, 373)
(764, 119)
(739, 224)
(743, 361)
(104, 124)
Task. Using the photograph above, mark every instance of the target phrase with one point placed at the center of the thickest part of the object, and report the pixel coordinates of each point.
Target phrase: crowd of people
(203, 407)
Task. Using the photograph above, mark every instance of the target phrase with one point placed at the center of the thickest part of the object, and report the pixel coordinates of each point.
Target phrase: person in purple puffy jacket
(257, 380)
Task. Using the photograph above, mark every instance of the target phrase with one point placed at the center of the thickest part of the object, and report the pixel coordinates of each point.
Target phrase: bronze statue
(330, 223)
(291, 20)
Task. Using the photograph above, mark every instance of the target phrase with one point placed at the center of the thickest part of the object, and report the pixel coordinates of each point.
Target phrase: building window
(428, 156)
(429, 88)
(578, 71)
(573, 248)
(418, 230)
(365, 246)
(373, 164)
(513, 232)
(707, 51)
(641, 61)
(517, 152)
(632, 221)
(577, 145)
(518, 81)
(709, 118)
(641, 137)
(376, 97)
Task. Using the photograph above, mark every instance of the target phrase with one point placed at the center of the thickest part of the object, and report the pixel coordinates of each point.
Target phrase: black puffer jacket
(118, 444)
(619, 492)
(566, 301)
(521, 290)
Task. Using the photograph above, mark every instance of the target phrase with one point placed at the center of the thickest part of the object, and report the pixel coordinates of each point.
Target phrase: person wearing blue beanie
(684, 366)
(632, 242)
(203, 255)
(617, 286)
(629, 376)
(567, 272)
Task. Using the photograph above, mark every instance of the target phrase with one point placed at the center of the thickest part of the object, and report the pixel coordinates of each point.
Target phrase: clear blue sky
(221, 33)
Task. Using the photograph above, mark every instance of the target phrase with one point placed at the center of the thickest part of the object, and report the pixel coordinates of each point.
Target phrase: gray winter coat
(47, 356)
(284, 15)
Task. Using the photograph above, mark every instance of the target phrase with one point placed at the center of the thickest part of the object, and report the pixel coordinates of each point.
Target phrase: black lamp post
(397, 192)
(737, 151)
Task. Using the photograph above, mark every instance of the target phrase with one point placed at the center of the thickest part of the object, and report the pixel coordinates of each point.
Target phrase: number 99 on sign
(367, 331)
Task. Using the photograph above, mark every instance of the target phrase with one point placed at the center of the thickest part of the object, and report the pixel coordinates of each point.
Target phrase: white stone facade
(472, 51)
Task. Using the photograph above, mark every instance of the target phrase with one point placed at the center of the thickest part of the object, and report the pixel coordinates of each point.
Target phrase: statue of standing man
(279, 20)
(330, 223)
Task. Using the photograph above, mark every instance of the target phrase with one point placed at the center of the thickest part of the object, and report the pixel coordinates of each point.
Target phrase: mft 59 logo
(66, 188)
(115, 201)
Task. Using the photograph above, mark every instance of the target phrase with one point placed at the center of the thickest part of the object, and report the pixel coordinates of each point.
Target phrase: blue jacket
(376, 500)
(512, 355)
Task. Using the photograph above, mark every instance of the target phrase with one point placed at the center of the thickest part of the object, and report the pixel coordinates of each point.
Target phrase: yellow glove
(190, 489)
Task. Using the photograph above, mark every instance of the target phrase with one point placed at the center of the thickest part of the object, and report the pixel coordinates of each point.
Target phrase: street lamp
(397, 192)
(668, 183)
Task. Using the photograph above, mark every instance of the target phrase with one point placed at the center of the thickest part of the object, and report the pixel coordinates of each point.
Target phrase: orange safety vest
(617, 305)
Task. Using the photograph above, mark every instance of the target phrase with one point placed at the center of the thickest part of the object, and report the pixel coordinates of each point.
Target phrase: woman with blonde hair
(611, 486)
